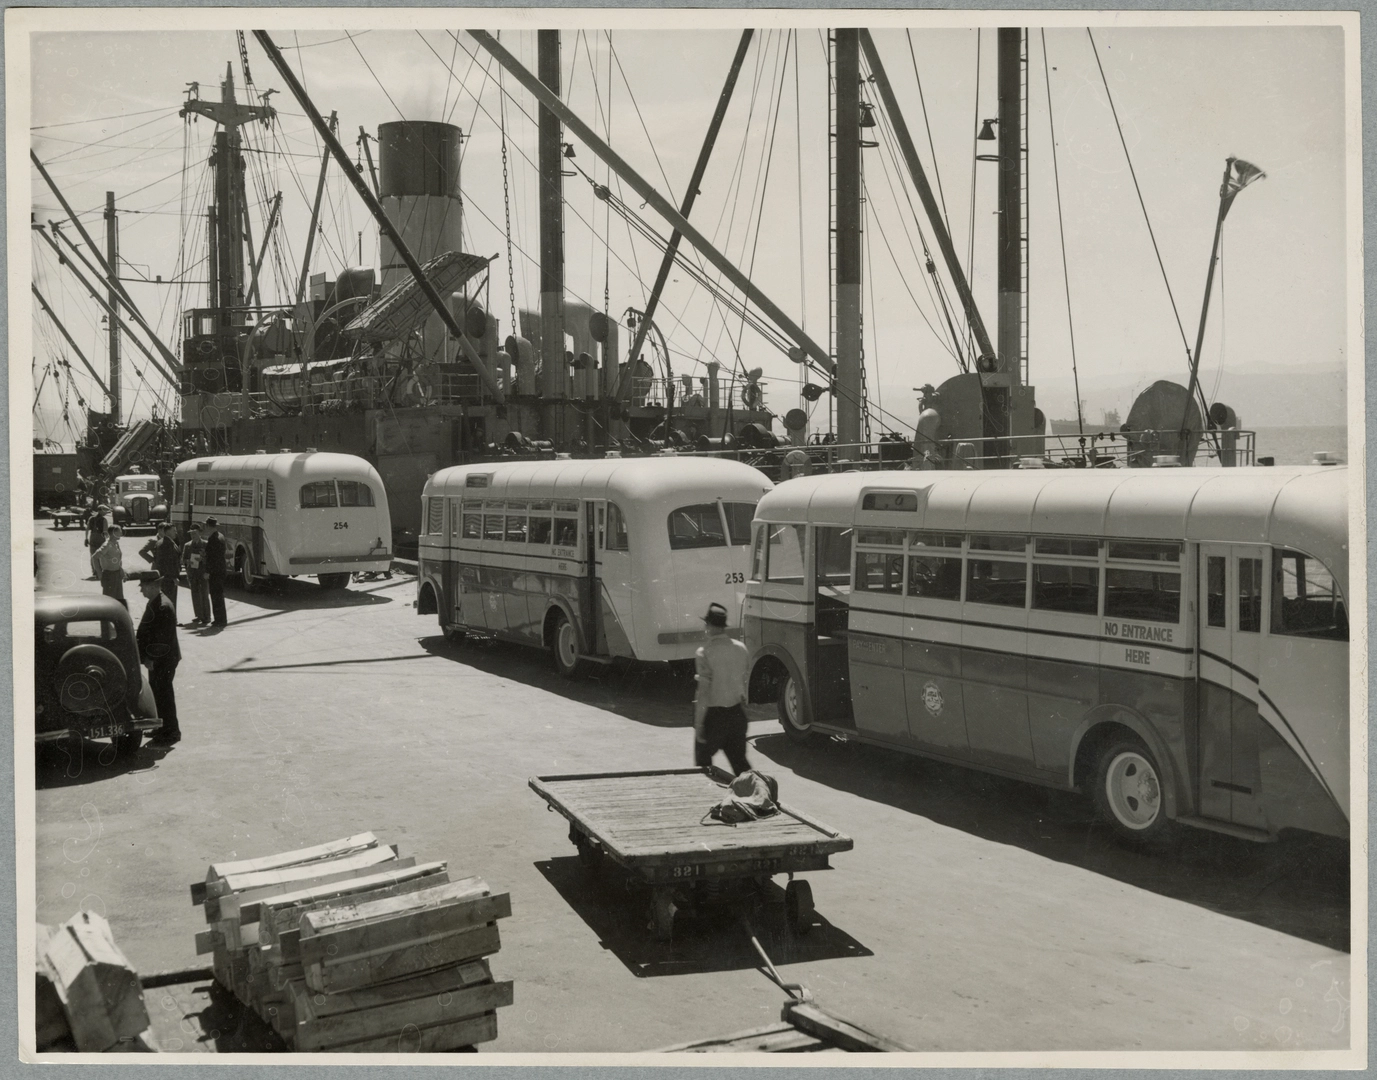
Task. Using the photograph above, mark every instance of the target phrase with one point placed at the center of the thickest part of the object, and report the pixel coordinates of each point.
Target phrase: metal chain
(507, 208)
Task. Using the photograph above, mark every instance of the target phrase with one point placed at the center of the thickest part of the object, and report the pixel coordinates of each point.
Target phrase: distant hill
(1264, 397)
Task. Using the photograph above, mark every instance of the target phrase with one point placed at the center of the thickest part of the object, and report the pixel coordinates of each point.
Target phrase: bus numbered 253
(590, 559)
(289, 514)
(1172, 642)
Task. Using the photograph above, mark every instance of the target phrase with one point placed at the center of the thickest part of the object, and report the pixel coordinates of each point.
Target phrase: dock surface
(973, 914)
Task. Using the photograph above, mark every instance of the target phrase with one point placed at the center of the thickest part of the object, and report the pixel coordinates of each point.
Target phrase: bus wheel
(246, 574)
(333, 581)
(452, 633)
(1128, 792)
(564, 647)
(791, 710)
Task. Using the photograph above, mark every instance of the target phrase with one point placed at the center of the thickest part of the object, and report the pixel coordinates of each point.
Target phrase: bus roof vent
(285, 450)
(614, 453)
(260, 451)
(310, 449)
(564, 457)
(1166, 461)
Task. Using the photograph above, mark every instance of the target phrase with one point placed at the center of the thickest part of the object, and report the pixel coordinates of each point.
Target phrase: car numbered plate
(110, 731)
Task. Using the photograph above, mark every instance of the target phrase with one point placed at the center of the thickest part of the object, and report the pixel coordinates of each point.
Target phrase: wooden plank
(246, 906)
(198, 893)
(312, 1006)
(426, 924)
(304, 872)
(810, 1017)
(281, 913)
(337, 916)
(50, 1022)
(337, 973)
(432, 1040)
(344, 846)
(99, 989)
(206, 941)
(778, 1038)
(392, 1019)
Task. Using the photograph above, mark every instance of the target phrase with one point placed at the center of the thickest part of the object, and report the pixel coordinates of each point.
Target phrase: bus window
(834, 556)
(566, 532)
(435, 517)
(1066, 545)
(1214, 591)
(222, 495)
(1142, 594)
(233, 496)
(785, 560)
(934, 576)
(881, 537)
(322, 493)
(540, 522)
(177, 489)
(354, 493)
(1250, 595)
(516, 523)
(270, 499)
(999, 543)
(739, 517)
(758, 552)
(1305, 598)
(880, 571)
(1074, 589)
(1141, 552)
(991, 581)
(697, 526)
(616, 529)
(473, 520)
(493, 523)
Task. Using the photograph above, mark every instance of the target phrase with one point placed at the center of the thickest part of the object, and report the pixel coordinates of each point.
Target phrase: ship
(410, 367)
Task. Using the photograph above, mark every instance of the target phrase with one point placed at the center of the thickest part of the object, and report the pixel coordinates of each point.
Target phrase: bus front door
(829, 659)
(1230, 613)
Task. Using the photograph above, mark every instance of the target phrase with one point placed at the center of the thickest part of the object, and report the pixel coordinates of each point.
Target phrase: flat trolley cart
(652, 825)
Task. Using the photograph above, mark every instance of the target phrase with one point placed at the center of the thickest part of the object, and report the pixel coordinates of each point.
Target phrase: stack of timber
(348, 948)
(88, 997)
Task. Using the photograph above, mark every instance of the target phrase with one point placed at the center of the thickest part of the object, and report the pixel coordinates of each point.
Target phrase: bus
(590, 559)
(1172, 642)
(289, 514)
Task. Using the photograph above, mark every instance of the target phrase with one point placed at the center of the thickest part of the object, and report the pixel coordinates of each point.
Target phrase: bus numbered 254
(590, 559)
(289, 514)
(1172, 642)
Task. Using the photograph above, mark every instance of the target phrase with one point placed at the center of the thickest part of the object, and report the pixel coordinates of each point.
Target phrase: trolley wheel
(564, 648)
(590, 855)
(792, 711)
(662, 910)
(1128, 793)
(127, 745)
(798, 907)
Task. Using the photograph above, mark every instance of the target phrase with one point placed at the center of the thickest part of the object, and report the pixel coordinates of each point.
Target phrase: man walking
(157, 638)
(719, 721)
(215, 572)
(96, 525)
(166, 556)
(194, 559)
(108, 562)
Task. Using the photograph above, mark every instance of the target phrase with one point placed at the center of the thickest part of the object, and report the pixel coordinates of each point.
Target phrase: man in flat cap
(719, 721)
(157, 638)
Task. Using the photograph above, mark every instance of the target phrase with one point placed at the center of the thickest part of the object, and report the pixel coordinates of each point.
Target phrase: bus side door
(613, 595)
(828, 659)
(1232, 582)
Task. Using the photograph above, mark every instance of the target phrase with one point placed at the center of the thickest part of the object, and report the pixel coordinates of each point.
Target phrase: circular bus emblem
(932, 698)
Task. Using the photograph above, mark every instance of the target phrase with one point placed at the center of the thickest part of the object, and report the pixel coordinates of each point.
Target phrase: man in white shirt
(719, 722)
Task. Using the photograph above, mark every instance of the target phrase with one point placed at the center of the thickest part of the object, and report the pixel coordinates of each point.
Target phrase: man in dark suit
(157, 638)
(215, 572)
(166, 556)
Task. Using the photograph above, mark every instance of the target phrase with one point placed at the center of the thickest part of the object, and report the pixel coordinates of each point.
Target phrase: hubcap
(1135, 794)
(791, 705)
(564, 641)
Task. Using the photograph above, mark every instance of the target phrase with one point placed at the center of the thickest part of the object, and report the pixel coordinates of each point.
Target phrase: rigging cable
(1181, 329)
(932, 150)
(1061, 231)
(975, 150)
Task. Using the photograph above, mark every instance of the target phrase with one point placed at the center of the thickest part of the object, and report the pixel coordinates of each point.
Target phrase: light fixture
(867, 115)
(987, 131)
(569, 149)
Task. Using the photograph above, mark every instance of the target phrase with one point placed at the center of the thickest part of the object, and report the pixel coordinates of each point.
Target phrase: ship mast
(849, 388)
(553, 377)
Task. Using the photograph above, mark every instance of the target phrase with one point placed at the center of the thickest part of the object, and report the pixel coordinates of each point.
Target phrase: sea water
(1298, 445)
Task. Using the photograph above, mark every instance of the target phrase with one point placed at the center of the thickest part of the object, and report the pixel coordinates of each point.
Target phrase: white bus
(1173, 642)
(289, 514)
(590, 559)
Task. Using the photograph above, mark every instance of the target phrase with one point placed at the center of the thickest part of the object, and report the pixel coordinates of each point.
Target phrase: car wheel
(792, 710)
(1129, 792)
(564, 648)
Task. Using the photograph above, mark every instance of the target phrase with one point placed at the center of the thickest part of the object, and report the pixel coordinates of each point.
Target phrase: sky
(104, 117)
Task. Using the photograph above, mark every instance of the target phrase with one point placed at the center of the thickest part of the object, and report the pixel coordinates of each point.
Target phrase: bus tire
(793, 710)
(247, 577)
(333, 581)
(453, 634)
(1128, 792)
(564, 647)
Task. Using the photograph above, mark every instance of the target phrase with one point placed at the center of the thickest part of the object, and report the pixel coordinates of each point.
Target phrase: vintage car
(87, 678)
(137, 501)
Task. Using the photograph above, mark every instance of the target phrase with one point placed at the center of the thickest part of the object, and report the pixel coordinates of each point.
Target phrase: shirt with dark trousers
(719, 720)
(215, 577)
(166, 556)
(157, 638)
(194, 559)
